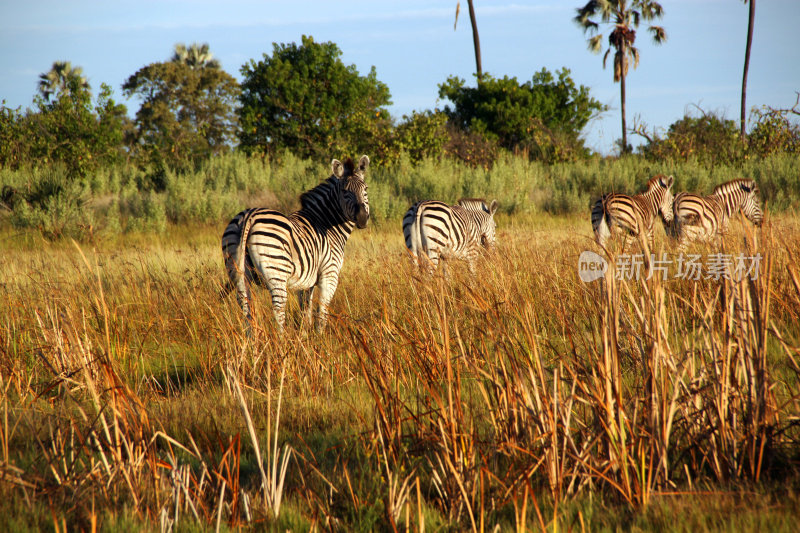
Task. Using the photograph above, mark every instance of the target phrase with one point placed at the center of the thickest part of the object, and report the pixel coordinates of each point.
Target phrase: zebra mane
(746, 185)
(309, 198)
(349, 166)
(655, 181)
(474, 204)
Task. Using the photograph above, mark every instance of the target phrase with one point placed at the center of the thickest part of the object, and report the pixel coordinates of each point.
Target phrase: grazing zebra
(434, 229)
(703, 217)
(303, 250)
(633, 215)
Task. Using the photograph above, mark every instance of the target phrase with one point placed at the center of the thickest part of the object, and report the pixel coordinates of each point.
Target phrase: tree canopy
(305, 99)
(537, 115)
(66, 128)
(187, 111)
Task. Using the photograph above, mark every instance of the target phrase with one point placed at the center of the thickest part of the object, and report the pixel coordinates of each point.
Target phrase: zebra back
(633, 214)
(432, 228)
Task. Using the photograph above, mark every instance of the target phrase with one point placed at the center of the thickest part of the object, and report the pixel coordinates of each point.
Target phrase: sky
(414, 47)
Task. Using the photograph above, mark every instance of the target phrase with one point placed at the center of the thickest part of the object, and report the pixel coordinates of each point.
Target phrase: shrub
(543, 117)
(305, 99)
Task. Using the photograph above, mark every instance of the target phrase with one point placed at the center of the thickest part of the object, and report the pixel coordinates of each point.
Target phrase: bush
(773, 132)
(709, 138)
(542, 117)
(305, 99)
(52, 203)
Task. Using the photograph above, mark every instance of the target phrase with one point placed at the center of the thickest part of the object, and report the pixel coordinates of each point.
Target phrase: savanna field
(520, 398)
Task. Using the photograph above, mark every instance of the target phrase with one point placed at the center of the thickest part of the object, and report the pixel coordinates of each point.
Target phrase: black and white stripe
(704, 217)
(303, 250)
(434, 229)
(633, 215)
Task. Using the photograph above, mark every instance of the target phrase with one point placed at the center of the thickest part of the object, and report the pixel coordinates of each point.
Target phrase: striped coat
(705, 217)
(633, 216)
(433, 230)
(304, 250)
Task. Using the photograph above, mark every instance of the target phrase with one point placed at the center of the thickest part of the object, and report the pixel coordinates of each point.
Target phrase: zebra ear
(337, 168)
(363, 163)
(493, 207)
(667, 181)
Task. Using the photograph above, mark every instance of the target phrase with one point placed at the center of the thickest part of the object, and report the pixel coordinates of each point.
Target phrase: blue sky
(413, 46)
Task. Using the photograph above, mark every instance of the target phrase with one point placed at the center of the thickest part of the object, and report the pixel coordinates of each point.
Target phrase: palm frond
(620, 66)
(634, 52)
(659, 34)
(595, 43)
(651, 10)
(605, 56)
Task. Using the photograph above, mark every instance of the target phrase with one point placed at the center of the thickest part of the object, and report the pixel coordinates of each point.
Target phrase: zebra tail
(416, 235)
(601, 221)
(241, 249)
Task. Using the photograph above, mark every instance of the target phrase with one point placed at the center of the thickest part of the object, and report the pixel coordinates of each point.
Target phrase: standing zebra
(434, 229)
(303, 250)
(633, 215)
(703, 217)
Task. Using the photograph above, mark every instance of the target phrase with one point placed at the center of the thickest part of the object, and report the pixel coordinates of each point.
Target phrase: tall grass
(511, 399)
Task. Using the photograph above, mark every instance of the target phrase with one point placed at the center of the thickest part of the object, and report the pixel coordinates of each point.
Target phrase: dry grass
(131, 393)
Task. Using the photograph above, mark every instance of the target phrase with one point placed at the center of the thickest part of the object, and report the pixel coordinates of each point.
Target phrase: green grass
(127, 201)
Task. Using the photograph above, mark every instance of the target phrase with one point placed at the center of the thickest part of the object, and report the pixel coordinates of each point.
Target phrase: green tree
(750, 19)
(625, 17)
(187, 112)
(62, 77)
(544, 116)
(709, 138)
(67, 128)
(305, 99)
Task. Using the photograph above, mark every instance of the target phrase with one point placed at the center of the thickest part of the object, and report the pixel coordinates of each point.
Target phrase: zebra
(704, 217)
(434, 229)
(303, 250)
(633, 215)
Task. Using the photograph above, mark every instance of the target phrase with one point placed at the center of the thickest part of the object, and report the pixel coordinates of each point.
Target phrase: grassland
(519, 399)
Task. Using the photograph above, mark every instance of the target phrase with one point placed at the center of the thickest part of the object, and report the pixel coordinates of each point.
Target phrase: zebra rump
(704, 217)
(434, 229)
(633, 215)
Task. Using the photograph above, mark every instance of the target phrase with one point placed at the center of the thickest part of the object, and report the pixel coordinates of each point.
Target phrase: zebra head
(353, 189)
(661, 188)
(486, 223)
(488, 235)
(751, 205)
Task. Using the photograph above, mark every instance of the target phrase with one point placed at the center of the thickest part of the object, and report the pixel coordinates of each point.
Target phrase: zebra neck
(652, 199)
(730, 203)
(320, 207)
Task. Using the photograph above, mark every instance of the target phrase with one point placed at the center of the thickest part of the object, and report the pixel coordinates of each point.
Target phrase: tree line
(304, 99)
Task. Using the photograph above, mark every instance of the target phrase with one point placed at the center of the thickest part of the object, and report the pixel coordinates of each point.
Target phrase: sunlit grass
(481, 400)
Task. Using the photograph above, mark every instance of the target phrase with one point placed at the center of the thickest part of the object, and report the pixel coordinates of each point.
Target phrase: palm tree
(475, 40)
(752, 16)
(60, 79)
(625, 17)
(195, 56)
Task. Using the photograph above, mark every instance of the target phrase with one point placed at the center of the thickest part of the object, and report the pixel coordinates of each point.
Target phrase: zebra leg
(239, 284)
(277, 290)
(327, 288)
(472, 257)
(306, 297)
(433, 261)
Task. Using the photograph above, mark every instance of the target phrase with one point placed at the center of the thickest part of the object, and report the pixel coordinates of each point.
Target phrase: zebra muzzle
(362, 217)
